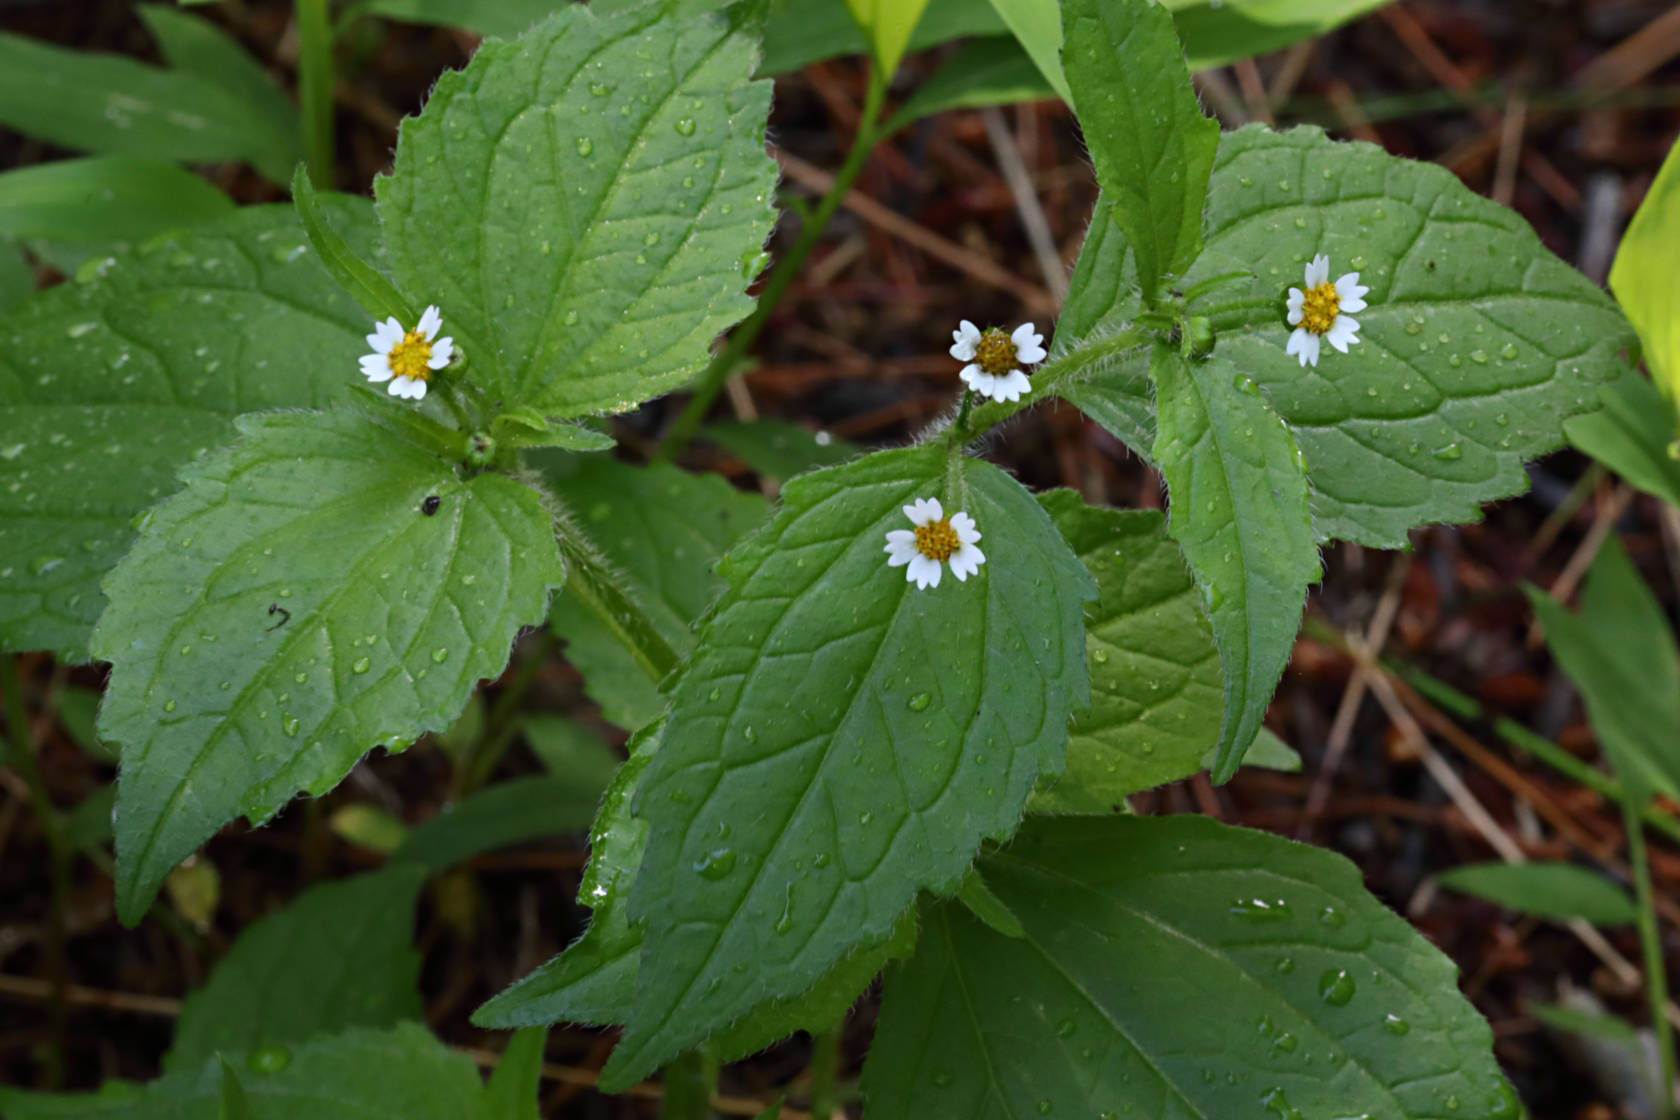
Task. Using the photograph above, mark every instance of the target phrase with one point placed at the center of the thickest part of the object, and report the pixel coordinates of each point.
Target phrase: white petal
(398, 388)
(966, 560)
(963, 341)
(967, 531)
(1296, 298)
(1029, 347)
(1304, 344)
(417, 391)
(430, 320)
(934, 509)
(1318, 271)
(923, 571)
(442, 350)
(1294, 317)
(375, 367)
(901, 546)
(1348, 287)
(979, 380)
(1343, 331)
(1012, 387)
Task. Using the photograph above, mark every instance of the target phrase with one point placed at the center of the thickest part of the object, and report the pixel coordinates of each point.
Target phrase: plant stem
(1650, 941)
(20, 756)
(588, 577)
(315, 88)
(825, 1071)
(1046, 381)
(689, 1082)
(711, 381)
(499, 727)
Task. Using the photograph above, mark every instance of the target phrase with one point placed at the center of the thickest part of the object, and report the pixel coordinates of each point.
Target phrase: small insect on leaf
(429, 507)
(285, 615)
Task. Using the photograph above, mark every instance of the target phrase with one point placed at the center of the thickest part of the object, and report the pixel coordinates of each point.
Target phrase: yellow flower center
(937, 540)
(995, 354)
(408, 358)
(1319, 308)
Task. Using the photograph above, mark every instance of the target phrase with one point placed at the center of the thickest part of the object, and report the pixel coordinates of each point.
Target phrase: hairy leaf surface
(1155, 682)
(664, 531)
(108, 387)
(1174, 968)
(586, 204)
(1144, 127)
(1478, 343)
(840, 739)
(1239, 511)
(291, 609)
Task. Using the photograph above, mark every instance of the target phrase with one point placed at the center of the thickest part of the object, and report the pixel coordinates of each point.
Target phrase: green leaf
(503, 18)
(1155, 681)
(106, 200)
(1152, 146)
(1037, 26)
(339, 955)
(234, 1104)
(1239, 510)
(1478, 343)
(291, 609)
(992, 71)
(593, 980)
(1218, 32)
(887, 25)
(567, 749)
(1564, 1018)
(399, 1074)
(1621, 654)
(194, 45)
(1544, 890)
(364, 283)
(1212, 972)
(586, 206)
(780, 449)
(1270, 753)
(840, 739)
(516, 1082)
(113, 105)
(17, 275)
(1643, 276)
(800, 32)
(1631, 435)
(108, 387)
(505, 814)
(663, 530)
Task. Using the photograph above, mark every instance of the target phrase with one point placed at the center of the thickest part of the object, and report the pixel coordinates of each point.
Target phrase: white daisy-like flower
(1323, 311)
(936, 540)
(995, 359)
(407, 358)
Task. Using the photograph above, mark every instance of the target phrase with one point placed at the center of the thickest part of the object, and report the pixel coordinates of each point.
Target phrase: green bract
(1217, 972)
(841, 739)
(108, 387)
(295, 607)
(586, 204)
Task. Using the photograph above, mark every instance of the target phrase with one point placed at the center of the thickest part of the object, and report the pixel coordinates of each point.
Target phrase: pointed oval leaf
(1206, 973)
(1546, 890)
(840, 739)
(1155, 681)
(339, 955)
(292, 608)
(1239, 510)
(586, 204)
(1151, 144)
(1475, 347)
(108, 387)
(1643, 275)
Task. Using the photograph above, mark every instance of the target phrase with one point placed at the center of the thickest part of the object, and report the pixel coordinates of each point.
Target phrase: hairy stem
(711, 381)
(315, 88)
(19, 754)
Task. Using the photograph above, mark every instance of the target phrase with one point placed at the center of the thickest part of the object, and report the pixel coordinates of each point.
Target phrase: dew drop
(685, 127)
(1336, 987)
(362, 665)
(584, 146)
(1100, 656)
(1448, 453)
(269, 1059)
(45, 563)
(785, 922)
(440, 655)
(1395, 1025)
(919, 702)
(169, 705)
(716, 863)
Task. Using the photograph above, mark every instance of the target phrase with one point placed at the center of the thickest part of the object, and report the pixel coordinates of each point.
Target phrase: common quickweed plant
(302, 475)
